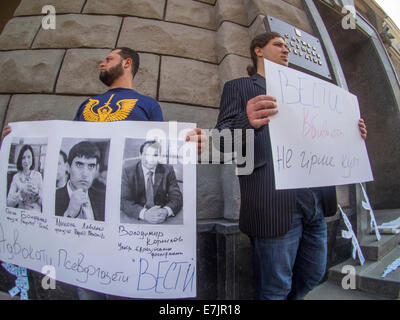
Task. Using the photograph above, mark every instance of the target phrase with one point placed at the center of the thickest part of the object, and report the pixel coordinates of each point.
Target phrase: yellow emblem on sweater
(106, 113)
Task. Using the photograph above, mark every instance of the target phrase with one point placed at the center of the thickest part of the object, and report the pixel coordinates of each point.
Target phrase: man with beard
(121, 102)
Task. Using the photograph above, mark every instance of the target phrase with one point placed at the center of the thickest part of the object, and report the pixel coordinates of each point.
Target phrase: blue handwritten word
(15, 249)
(169, 275)
(307, 92)
(140, 234)
(76, 264)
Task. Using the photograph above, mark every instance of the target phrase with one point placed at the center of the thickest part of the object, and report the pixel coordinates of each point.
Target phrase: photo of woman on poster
(26, 187)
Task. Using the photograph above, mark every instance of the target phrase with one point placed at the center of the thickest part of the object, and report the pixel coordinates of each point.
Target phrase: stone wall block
(4, 99)
(34, 107)
(77, 31)
(19, 33)
(205, 118)
(281, 10)
(191, 12)
(207, 1)
(147, 9)
(145, 81)
(189, 81)
(29, 7)
(231, 10)
(233, 67)
(232, 39)
(83, 64)
(27, 71)
(209, 194)
(80, 72)
(168, 38)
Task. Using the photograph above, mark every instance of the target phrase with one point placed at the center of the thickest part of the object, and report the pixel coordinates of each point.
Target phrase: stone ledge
(153, 9)
(32, 107)
(29, 71)
(191, 13)
(204, 117)
(207, 1)
(168, 38)
(218, 225)
(80, 31)
(19, 33)
(29, 7)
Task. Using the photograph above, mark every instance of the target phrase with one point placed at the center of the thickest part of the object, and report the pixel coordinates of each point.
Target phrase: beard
(109, 76)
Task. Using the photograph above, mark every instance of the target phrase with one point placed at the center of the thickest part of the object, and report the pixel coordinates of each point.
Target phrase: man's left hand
(156, 215)
(197, 135)
(363, 128)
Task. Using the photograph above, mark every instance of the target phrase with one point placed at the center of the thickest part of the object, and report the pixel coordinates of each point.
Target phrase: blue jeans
(290, 266)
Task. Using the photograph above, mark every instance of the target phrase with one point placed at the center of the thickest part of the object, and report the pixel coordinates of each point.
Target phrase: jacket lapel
(140, 184)
(258, 80)
(159, 172)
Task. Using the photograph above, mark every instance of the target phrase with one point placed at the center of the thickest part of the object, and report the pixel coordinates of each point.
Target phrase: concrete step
(331, 291)
(386, 215)
(368, 276)
(374, 250)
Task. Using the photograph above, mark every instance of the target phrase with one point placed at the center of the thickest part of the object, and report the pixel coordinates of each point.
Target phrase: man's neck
(260, 69)
(122, 82)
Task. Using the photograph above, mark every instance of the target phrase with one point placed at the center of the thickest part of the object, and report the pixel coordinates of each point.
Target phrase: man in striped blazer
(287, 228)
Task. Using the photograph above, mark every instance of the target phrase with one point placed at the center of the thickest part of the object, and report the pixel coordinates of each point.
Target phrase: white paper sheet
(315, 136)
(114, 256)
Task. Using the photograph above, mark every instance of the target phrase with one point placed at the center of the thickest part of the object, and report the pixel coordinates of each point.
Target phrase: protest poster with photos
(110, 206)
(315, 137)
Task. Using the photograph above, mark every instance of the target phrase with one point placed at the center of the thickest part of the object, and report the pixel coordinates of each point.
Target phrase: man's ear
(258, 52)
(127, 63)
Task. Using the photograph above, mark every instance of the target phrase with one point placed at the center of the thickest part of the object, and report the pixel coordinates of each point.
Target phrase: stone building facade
(188, 50)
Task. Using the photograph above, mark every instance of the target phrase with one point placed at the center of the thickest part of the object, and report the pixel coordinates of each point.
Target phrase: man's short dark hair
(84, 149)
(260, 41)
(125, 53)
(150, 143)
(20, 155)
(64, 156)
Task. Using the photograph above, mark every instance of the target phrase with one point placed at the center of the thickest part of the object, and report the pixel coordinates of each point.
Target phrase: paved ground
(330, 291)
(325, 291)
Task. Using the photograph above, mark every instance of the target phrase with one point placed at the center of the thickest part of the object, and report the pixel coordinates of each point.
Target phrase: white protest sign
(315, 137)
(105, 247)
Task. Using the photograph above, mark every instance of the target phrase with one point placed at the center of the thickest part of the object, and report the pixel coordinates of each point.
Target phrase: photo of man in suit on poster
(150, 191)
(78, 198)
